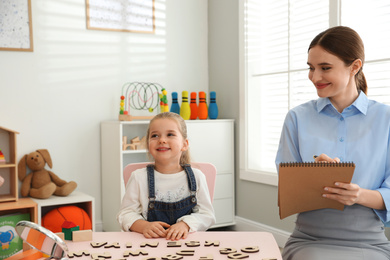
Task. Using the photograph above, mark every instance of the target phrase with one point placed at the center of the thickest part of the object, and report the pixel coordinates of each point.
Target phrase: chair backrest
(208, 169)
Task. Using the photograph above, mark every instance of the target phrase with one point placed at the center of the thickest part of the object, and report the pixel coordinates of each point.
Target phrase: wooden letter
(173, 244)
(78, 254)
(104, 255)
(134, 253)
(150, 244)
(227, 250)
(208, 257)
(210, 243)
(250, 249)
(238, 256)
(98, 244)
(114, 245)
(187, 252)
(171, 257)
(193, 243)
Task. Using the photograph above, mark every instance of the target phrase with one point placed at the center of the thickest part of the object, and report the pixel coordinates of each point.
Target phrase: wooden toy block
(31, 254)
(82, 235)
(125, 145)
(60, 235)
(142, 144)
(98, 244)
(69, 231)
(208, 257)
(129, 245)
(135, 140)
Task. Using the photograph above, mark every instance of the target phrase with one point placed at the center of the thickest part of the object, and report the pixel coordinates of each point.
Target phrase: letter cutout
(238, 256)
(155, 244)
(186, 252)
(210, 243)
(227, 250)
(208, 257)
(250, 249)
(99, 255)
(98, 244)
(78, 254)
(114, 245)
(171, 257)
(134, 253)
(192, 243)
(173, 244)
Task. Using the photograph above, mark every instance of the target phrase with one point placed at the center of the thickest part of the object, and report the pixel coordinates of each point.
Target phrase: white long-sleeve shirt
(168, 188)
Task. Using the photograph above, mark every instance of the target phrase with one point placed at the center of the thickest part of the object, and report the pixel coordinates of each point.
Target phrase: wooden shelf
(23, 205)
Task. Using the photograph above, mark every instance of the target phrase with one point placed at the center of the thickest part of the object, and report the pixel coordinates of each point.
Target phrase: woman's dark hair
(346, 44)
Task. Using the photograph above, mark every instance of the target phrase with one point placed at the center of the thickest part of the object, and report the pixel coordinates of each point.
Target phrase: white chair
(208, 169)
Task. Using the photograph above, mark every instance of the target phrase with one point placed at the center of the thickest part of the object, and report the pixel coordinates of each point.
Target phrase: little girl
(168, 198)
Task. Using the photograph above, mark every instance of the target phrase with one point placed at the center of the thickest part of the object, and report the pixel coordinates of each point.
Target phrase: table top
(201, 245)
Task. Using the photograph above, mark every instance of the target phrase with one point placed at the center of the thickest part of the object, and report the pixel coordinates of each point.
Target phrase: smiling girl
(168, 198)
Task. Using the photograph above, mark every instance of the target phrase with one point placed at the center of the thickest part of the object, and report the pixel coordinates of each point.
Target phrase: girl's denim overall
(169, 212)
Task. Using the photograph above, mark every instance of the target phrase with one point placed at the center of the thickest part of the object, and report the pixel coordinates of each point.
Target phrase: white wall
(57, 95)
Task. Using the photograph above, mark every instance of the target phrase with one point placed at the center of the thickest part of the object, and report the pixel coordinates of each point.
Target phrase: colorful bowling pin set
(191, 110)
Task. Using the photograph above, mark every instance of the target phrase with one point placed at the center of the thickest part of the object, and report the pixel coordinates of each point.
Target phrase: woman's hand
(350, 194)
(178, 231)
(345, 193)
(324, 158)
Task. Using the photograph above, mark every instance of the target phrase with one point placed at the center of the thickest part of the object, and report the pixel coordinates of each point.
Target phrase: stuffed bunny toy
(41, 183)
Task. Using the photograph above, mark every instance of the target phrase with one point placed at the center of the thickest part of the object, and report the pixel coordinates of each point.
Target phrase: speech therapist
(342, 125)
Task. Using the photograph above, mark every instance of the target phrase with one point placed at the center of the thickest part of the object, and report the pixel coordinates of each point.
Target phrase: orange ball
(54, 219)
(122, 97)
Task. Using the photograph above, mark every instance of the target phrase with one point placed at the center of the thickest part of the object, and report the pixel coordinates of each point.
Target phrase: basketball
(54, 219)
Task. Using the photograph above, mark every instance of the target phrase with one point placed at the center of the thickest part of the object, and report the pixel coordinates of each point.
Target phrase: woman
(342, 125)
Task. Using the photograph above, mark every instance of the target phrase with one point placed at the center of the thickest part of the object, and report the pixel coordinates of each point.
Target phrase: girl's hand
(347, 194)
(324, 158)
(155, 229)
(178, 231)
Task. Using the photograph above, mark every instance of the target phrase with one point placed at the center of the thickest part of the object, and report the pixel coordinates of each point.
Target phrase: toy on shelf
(135, 143)
(41, 183)
(142, 96)
(202, 107)
(185, 111)
(193, 106)
(213, 108)
(175, 107)
(2, 158)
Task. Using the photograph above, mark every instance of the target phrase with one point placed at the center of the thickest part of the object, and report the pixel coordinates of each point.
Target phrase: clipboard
(301, 185)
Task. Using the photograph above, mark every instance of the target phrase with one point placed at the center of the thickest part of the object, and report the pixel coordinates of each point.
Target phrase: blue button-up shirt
(359, 134)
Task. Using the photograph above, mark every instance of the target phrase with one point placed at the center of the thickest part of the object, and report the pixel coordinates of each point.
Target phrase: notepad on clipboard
(301, 185)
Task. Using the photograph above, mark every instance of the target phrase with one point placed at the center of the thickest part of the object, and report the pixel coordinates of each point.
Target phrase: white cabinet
(210, 141)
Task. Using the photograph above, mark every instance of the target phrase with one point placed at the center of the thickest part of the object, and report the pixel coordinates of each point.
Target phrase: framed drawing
(15, 25)
(121, 15)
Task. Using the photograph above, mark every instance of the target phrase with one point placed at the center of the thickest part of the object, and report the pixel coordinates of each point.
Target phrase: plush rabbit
(41, 183)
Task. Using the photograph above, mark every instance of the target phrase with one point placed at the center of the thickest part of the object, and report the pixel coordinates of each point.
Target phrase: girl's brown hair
(185, 156)
(346, 44)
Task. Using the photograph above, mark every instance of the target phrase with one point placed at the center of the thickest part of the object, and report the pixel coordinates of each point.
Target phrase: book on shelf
(10, 242)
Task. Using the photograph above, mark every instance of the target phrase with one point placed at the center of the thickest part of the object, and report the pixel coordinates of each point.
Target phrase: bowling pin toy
(193, 106)
(213, 108)
(202, 107)
(185, 110)
(175, 108)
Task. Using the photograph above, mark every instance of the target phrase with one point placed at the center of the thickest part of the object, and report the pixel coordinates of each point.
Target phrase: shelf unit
(76, 198)
(23, 205)
(9, 190)
(210, 141)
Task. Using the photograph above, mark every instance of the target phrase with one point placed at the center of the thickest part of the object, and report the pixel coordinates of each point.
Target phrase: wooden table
(212, 245)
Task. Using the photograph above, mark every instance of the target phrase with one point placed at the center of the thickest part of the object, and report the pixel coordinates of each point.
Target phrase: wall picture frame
(121, 15)
(16, 32)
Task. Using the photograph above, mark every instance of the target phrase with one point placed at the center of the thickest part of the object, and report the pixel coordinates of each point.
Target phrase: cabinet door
(212, 141)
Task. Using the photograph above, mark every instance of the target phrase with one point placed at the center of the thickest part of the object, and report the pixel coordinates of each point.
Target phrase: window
(274, 38)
